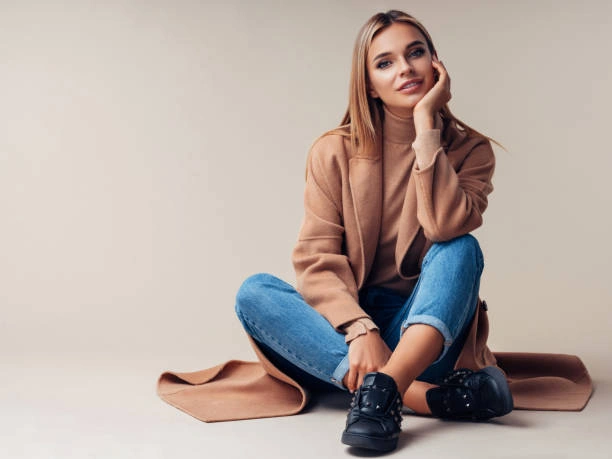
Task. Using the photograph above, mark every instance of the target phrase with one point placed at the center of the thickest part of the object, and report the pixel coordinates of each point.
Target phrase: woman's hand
(434, 100)
(366, 353)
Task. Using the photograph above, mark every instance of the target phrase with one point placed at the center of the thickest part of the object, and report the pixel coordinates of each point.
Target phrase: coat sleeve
(324, 275)
(450, 202)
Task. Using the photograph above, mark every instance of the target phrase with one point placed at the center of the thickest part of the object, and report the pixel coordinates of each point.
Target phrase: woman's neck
(398, 129)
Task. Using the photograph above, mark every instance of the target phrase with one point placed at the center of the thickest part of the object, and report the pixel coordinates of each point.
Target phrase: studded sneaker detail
(468, 395)
(374, 419)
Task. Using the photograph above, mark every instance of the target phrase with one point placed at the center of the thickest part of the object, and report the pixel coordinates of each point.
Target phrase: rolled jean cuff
(435, 323)
(340, 372)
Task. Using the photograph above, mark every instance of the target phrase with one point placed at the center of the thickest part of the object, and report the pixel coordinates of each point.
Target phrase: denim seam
(286, 353)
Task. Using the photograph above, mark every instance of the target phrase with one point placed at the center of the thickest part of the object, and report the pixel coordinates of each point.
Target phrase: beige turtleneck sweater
(445, 197)
(400, 149)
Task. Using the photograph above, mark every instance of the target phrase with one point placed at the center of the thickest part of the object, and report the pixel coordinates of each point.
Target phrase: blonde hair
(362, 121)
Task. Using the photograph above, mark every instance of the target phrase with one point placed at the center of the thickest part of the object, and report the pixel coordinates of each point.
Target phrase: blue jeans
(303, 344)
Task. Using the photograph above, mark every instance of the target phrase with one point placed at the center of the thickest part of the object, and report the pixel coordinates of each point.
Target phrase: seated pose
(387, 272)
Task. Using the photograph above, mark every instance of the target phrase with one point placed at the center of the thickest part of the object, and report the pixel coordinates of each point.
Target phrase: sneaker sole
(377, 444)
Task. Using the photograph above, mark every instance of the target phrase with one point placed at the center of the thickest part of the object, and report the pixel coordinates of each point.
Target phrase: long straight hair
(362, 121)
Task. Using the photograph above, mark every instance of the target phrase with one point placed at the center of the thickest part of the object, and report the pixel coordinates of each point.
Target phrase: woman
(388, 274)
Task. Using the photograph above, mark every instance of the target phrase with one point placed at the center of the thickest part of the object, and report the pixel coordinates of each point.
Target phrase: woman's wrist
(423, 122)
(425, 146)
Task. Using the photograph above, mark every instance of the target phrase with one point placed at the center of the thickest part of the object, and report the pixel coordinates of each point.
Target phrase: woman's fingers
(355, 375)
(437, 96)
(443, 77)
(351, 379)
(366, 353)
(360, 378)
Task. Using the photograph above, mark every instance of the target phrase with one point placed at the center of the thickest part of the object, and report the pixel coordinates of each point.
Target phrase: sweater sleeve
(450, 202)
(324, 275)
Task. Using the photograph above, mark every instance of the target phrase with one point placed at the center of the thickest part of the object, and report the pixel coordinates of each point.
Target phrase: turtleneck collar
(397, 129)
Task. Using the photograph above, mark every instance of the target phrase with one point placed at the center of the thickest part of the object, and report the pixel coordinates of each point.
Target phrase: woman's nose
(405, 67)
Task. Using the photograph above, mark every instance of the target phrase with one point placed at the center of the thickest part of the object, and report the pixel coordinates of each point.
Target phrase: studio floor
(102, 408)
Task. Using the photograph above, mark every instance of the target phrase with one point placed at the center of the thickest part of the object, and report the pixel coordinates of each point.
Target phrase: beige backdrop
(152, 156)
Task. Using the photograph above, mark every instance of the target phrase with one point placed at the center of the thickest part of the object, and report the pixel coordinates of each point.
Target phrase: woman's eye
(418, 52)
(383, 64)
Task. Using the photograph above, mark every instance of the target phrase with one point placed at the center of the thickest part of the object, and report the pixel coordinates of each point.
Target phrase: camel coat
(343, 202)
(334, 254)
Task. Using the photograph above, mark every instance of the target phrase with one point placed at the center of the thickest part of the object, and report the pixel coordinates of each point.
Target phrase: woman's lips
(411, 86)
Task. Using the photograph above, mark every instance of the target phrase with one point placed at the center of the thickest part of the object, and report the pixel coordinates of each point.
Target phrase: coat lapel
(365, 178)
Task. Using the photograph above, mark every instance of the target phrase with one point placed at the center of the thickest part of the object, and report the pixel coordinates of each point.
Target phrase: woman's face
(399, 68)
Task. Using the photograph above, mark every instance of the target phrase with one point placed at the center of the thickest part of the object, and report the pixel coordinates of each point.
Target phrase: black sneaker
(374, 418)
(468, 395)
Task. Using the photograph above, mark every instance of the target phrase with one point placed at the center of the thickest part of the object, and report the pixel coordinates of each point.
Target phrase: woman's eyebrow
(387, 53)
